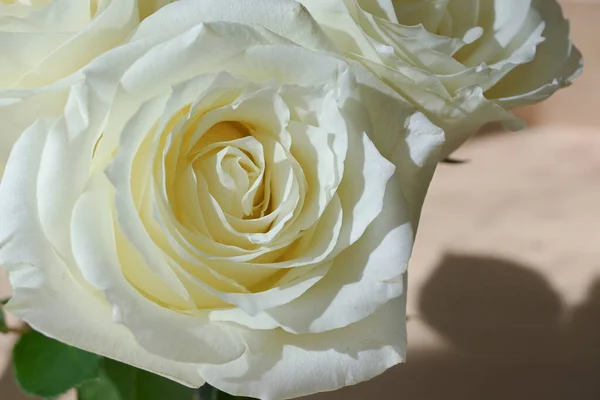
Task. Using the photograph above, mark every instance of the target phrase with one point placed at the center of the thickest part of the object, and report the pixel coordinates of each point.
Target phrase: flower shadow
(509, 336)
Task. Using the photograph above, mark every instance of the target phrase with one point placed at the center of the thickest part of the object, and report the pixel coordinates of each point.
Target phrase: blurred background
(504, 288)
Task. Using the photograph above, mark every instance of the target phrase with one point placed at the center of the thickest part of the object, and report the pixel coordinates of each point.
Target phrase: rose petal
(162, 331)
(44, 291)
(287, 18)
(280, 365)
(557, 62)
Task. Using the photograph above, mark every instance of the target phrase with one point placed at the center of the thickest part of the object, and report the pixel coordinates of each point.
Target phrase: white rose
(221, 204)
(464, 63)
(44, 41)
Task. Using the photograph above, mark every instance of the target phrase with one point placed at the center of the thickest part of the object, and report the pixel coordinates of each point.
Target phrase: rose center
(231, 161)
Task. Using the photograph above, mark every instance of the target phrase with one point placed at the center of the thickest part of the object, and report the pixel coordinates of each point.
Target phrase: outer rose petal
(38, 58)
(19, 109)
(42, 51)
(280, 365)
(556, 64)
(52, 300)
(149, 7)
(414, 144)
(287, 18)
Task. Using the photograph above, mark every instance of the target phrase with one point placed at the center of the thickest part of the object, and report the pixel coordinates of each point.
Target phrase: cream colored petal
(368, 273)
(66, 158)
(321, 153)
(191, 264)
(44, 291)
(223, 232)
(57, 16)
(109, 29)
(336, 18)
(120, 174)
(409, 139)
(280, 365)
(315, 246)
(203, 48)
(429, 13)
(460, 116)
(288, 65)
(20, 53)
(227, 179)
(465, 17)
(418, 47)
(557, 62)
(160, 330)
(148, 7)
(286, 18)
(26, 40)
(18, 110)
(387, 9)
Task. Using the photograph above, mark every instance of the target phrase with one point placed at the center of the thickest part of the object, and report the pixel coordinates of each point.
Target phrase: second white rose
(464, 63)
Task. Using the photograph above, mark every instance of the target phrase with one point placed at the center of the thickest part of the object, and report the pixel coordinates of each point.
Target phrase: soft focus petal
(40, 58)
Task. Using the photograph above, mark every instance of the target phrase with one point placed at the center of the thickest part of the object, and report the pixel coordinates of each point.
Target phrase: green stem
(17, 331)
(20, 331)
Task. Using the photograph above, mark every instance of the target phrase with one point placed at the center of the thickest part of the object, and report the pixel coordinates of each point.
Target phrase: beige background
(504, 287)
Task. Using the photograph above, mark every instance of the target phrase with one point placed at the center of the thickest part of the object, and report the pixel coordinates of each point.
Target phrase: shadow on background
(9, 389)
(510, 339)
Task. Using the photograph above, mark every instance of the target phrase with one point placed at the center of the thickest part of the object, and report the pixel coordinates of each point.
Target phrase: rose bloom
(222, 202)
(44, 41)
(464, 63)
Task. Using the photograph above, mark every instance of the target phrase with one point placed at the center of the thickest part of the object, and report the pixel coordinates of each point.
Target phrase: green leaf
(123, 382)
(208, 392)
(101, 388)
(47, 368)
